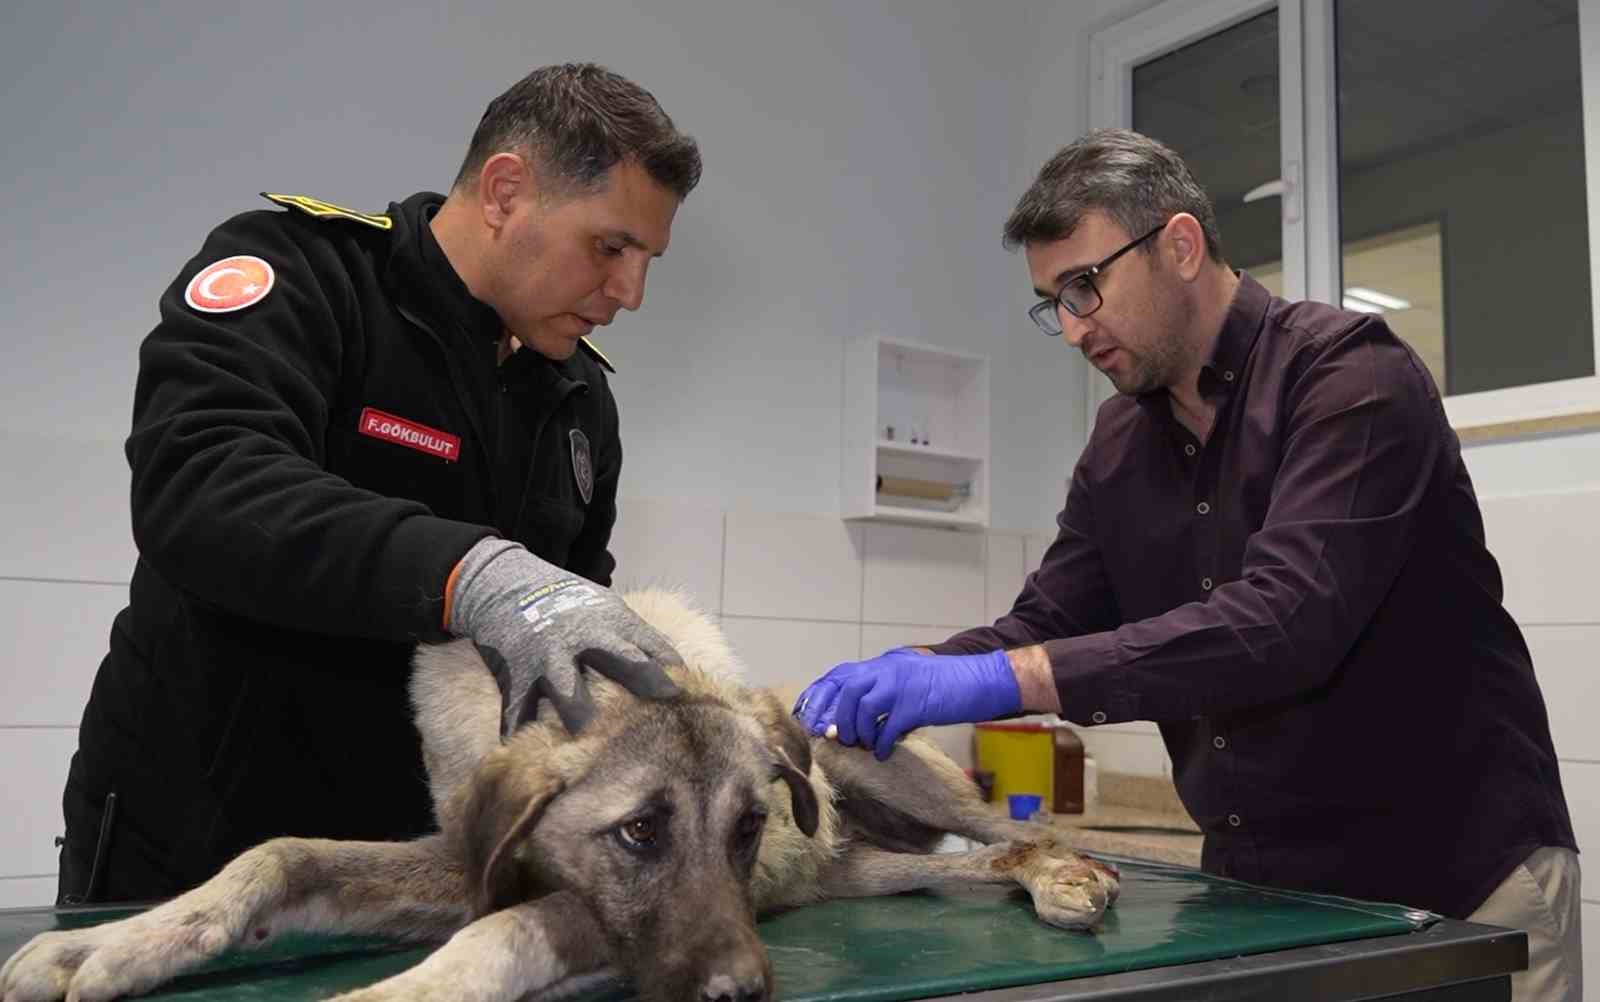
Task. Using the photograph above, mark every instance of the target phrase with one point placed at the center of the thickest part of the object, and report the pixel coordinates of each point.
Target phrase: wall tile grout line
(846, 622)
(861, 577)
(24, 579)
(722, 576)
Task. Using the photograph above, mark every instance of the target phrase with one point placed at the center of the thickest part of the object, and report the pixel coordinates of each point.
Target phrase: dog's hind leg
(1067, 890)
(502, 956)
(406, 890)
(924, 788)
(918, 793)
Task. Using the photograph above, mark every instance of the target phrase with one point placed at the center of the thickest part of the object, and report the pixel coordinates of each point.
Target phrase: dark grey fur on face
(657, 837)
(1137, 181)
(576, 121)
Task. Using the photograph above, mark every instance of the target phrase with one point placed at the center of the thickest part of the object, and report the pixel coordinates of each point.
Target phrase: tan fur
(517, 871)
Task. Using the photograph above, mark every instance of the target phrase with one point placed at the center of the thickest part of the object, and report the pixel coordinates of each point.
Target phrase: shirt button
(1188, 450)
(1219, 742)
(1205, 584)
(1233, 819)
(1098, 716)
(1227, 376)
(1202, 508)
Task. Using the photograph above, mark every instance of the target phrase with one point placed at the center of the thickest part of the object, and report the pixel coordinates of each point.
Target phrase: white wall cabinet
(915, 443)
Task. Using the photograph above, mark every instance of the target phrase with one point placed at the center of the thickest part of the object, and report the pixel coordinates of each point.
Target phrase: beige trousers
(1541, 897)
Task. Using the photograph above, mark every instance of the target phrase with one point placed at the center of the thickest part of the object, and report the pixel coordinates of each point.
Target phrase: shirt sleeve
(590, 554)
(1067, 596)
(1364, 435)
(230, 498)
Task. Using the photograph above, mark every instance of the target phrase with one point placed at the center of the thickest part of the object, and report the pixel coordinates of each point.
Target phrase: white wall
(857, 166)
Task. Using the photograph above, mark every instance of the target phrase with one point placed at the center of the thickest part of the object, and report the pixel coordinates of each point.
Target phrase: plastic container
(1024, 806)
(1032, 757)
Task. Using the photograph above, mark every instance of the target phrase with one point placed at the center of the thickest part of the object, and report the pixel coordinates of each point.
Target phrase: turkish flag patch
(383, 425)
(230, 284)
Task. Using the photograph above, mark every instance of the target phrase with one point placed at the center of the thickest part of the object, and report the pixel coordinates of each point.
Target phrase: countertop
(1136, 816)
(1137, 833)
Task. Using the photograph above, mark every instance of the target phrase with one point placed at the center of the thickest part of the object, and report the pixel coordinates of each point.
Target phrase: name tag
(391, 428)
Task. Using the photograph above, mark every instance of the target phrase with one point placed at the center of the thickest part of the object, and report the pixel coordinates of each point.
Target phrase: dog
(610, 835)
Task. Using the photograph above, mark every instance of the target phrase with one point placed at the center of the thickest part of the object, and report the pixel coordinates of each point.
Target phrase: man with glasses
(1271, 547)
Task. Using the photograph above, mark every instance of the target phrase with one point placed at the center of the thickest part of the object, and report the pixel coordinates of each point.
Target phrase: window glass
(1461, 184)
(1215, 102)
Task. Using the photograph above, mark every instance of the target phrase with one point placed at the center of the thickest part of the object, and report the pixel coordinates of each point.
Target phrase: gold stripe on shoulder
(327, 210)
(597, 354)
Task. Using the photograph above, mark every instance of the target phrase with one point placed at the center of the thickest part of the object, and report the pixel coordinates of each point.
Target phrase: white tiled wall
(1548, 551)
(791, 567)
(64, 567)
(919, 577)
(66, 509)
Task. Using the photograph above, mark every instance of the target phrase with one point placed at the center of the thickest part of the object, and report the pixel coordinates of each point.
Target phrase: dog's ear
(801, 795)
(791, 751)
(504, 802)
(784, 733)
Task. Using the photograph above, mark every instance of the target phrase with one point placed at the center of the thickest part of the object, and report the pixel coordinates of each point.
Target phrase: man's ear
(505, 800)
(1186, 243)
(503, 179)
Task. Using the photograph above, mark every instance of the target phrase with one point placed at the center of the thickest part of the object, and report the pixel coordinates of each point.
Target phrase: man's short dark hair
(576, 121)
(1136, 180)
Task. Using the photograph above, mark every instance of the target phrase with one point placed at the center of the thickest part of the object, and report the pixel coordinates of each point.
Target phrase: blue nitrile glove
(875, 702)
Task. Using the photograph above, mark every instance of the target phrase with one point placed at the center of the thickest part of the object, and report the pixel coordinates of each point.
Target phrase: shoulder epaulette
(327, 210)
(597, 355)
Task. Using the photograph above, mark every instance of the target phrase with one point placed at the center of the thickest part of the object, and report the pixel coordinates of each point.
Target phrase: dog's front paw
(108, 961)
(43, 969)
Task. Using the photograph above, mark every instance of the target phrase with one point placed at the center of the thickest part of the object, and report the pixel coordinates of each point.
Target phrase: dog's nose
(727, 988)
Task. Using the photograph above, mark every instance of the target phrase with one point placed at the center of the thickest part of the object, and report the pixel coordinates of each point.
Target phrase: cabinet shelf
(914, 390)
(951, 519)
(907, 449)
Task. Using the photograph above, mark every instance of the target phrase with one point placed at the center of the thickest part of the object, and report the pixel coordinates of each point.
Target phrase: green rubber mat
(904, 947)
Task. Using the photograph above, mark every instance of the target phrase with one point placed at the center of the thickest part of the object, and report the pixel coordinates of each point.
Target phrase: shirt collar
(1224, 367)
(421, 264)
(1240, 328)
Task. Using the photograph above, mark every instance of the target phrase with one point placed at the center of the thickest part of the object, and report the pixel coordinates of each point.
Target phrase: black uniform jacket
(306, 472)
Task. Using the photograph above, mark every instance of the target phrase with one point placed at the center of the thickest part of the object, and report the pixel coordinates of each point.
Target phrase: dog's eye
(640, 833)
(751, 824)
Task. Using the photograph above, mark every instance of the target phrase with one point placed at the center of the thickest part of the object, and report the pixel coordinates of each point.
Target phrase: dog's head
(652, 815)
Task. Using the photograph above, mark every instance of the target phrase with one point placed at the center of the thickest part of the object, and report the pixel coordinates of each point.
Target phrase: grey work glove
(530, 620)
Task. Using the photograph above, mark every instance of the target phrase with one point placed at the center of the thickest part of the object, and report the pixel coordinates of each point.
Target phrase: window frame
(1312, 256)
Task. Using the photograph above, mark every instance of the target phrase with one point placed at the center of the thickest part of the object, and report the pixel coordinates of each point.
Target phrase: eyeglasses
(1079, 296)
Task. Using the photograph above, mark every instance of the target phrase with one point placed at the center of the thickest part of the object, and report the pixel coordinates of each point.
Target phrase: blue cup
(1024, 805)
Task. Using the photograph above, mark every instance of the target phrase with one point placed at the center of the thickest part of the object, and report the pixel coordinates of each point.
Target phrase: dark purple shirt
(1305, 605)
